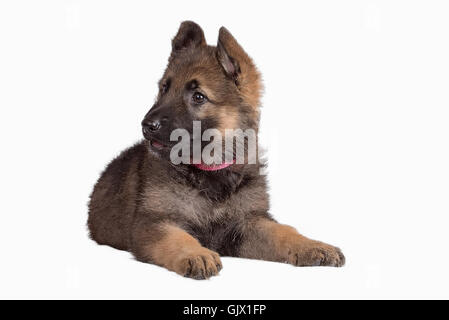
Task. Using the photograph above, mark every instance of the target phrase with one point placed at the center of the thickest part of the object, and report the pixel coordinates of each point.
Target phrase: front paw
(199, 264)
(315, 253)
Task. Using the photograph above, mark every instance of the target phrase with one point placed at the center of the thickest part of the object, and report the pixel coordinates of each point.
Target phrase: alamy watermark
(229, 150)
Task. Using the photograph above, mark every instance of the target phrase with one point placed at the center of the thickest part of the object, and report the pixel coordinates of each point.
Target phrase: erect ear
(239, 66)
(189, 35)
(226, 50)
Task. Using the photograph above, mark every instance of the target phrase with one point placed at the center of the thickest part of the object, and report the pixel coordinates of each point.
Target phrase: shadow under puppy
(184, 217)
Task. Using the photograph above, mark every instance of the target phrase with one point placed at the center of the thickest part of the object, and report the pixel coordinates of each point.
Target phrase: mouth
(158, 145)
(162, 148)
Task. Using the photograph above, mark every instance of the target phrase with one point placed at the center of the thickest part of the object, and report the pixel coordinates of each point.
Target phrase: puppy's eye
(164, 88)
(199, 98)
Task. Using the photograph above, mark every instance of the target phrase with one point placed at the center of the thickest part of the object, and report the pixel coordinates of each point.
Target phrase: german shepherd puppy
(184, 217)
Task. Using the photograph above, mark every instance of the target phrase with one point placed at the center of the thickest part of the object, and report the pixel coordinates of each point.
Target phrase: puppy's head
(216, 85)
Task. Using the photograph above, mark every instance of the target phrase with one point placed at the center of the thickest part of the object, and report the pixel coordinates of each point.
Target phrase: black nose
(151, 126)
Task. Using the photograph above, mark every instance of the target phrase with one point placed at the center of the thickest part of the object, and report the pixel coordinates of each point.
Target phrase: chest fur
(189, 205)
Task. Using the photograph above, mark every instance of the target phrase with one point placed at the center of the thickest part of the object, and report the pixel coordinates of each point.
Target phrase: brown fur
(283, 243)
(249, 80)
(178, 216)
(226, 116)
(180, 252)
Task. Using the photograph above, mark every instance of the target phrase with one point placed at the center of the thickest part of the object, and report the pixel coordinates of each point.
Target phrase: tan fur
(250, 83)
(227, 117)
(293, 248)
(180, 252)
(282, 235)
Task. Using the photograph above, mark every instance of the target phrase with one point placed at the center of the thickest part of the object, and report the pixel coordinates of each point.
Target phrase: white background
(355, 118)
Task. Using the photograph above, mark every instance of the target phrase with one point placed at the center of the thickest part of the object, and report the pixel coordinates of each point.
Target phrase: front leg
(265, 239)
(167, 245)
